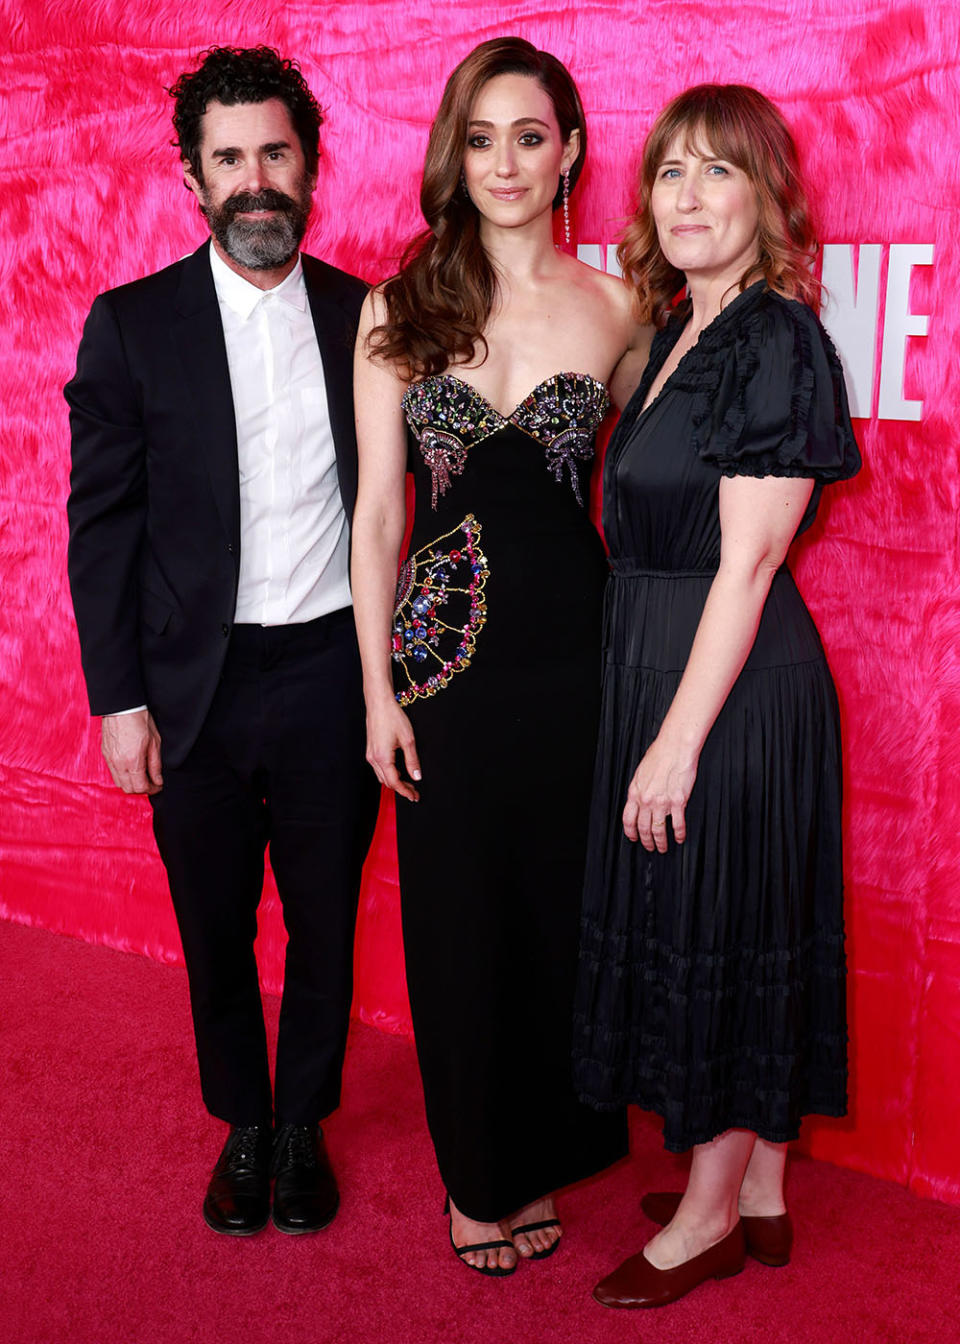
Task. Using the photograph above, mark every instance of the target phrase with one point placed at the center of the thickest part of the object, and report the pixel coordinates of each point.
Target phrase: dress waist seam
(611, 660)
(626, 569)
(629, 569)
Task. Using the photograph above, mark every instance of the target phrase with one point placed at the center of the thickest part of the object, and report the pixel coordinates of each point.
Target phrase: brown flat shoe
(768, 1239)
(638, 1283)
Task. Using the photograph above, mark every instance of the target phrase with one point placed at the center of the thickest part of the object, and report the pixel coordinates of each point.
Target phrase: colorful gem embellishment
(448, 416)
(564, 414)
(440, 609)
(445, 455)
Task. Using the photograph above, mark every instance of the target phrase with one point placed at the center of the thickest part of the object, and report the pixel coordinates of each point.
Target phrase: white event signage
(852, 314)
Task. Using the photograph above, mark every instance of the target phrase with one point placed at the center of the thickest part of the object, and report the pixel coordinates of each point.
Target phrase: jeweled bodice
(502, 553)
(448, 417)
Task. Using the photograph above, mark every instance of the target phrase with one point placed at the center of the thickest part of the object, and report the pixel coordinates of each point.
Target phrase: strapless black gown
(496, 656)
(712, 976)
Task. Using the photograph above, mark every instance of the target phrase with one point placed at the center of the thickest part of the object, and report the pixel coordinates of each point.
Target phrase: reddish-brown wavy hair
(441, 298)
(738, 124)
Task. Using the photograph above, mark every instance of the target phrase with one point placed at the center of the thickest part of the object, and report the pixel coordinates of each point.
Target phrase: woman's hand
(758, 518)
(660, 788)
(389, 731)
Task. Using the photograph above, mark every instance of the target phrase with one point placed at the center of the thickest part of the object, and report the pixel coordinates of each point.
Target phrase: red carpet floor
(105, 1151)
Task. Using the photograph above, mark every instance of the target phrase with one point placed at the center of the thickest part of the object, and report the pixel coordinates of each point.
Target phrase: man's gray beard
(260, 245)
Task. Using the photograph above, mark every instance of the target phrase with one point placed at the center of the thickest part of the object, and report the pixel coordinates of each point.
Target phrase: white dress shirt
(294, 541)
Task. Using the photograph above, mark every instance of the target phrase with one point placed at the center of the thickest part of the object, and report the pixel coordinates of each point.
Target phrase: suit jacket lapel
(198, 331)
(334, 337)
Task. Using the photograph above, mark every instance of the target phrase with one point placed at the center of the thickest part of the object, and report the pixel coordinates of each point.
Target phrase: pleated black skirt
(711, 984)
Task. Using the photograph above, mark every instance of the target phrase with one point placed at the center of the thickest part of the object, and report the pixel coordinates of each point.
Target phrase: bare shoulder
(609, 289)
(604, 300)
(616, 292)
(618, 298)
(374, 310)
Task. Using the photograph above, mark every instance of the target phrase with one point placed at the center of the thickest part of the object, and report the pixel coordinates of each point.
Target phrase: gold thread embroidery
(430, 580)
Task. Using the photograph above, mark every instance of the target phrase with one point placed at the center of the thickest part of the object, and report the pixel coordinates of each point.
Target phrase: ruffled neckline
(716, 375)
(715, 335)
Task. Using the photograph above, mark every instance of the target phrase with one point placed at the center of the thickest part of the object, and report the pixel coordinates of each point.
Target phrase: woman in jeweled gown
(481, 367)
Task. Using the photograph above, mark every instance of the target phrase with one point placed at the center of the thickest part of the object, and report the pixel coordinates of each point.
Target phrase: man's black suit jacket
(154, 504)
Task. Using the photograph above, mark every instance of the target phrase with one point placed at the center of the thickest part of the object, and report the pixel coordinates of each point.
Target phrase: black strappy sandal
(538, 1227)
(494, 1271)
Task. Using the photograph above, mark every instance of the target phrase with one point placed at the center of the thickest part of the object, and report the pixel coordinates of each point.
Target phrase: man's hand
(131, 749)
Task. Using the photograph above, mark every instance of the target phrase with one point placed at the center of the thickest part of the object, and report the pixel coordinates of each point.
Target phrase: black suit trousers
(279, 762)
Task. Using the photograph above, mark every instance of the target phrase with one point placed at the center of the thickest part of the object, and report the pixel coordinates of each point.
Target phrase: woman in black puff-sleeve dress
(712, 966)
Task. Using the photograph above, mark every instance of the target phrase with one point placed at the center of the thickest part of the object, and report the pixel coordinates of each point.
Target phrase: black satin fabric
(711, 986)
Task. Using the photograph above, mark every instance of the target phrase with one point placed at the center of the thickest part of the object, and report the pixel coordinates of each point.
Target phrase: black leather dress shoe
(238, 1196)
(305, 1194)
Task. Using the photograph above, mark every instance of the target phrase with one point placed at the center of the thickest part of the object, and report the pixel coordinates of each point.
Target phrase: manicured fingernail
(417, 774)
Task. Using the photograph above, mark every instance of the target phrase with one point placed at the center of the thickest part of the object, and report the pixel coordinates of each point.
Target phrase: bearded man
(214, 474)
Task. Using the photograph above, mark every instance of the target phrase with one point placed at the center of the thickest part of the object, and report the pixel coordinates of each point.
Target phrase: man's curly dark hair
(232, 75)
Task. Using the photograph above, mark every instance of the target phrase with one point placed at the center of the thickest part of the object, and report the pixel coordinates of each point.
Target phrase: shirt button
(225, 630)
(230, 547)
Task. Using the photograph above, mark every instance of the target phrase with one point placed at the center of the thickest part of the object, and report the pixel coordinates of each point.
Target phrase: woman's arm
(631, 340)
(626, 376)
(758, 520)
(378, 526)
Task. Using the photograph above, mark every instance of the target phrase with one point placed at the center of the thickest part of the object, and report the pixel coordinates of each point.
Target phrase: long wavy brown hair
(441, 298)
(738, 124)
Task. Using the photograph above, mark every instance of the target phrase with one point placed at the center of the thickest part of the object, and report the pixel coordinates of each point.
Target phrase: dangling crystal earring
(463, 184)
(566, 206)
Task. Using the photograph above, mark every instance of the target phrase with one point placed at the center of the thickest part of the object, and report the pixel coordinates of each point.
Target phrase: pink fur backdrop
(92, 197)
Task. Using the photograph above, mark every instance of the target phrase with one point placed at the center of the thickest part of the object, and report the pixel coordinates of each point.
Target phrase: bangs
(708, 131)
(717, 136)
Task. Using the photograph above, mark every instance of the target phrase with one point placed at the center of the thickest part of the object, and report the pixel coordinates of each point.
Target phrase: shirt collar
(242, 297)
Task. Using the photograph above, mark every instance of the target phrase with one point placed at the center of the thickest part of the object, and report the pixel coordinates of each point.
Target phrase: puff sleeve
(778, 405)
